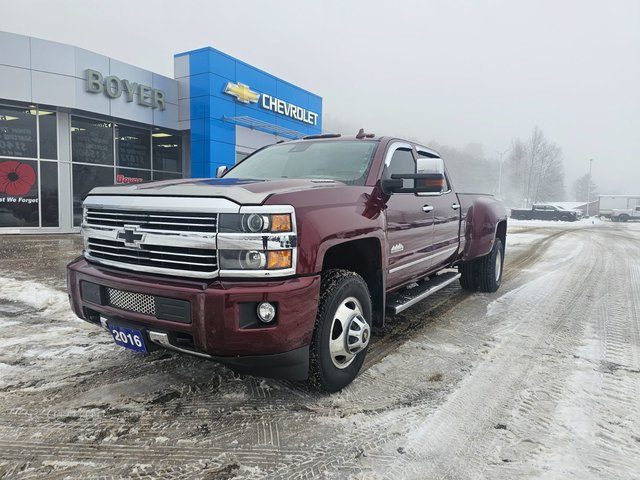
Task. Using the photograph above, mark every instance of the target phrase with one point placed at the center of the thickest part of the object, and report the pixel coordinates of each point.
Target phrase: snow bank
(44, 299)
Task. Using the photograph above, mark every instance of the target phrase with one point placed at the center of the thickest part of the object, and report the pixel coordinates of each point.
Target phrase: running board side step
(406, 298)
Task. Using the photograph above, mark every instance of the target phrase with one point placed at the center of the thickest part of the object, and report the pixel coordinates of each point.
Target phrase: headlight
(255, 259)
(258, 241)
(255, 223)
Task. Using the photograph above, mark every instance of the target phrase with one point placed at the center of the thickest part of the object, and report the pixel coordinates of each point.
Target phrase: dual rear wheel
(485, 273)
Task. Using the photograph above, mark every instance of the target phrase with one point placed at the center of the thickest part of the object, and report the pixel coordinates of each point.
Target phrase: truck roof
(361, 136)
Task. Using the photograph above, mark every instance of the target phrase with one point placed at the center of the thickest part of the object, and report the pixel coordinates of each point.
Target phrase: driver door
(409, 222)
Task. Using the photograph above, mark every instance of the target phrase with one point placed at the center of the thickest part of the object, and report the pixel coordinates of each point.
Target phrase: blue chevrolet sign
(225, 93)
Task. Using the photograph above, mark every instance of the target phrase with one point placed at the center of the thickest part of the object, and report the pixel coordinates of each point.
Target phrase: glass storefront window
(85, 177)
(133, 147)
(19, 193)
(167, 151)
(102, 153)
(18, 132)
(49, 193)
(91, 141)
(48, 135)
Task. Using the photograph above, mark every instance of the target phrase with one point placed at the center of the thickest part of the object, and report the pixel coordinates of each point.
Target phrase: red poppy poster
(18, 193)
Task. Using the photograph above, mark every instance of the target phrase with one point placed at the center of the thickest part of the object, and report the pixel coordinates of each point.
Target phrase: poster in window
(18, 193)
(18, 134)
(91, 141)
(133, 147)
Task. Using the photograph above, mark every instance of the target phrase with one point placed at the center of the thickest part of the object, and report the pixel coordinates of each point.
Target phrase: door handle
(427, 208)
(455, 206)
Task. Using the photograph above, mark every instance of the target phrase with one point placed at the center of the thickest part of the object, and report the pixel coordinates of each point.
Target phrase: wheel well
(501, 232)
(364, 258)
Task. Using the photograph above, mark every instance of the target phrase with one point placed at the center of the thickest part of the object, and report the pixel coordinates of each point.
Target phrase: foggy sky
(453, 72)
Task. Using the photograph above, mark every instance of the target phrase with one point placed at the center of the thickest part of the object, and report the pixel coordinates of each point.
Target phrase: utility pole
(589, 186)
(500, 173)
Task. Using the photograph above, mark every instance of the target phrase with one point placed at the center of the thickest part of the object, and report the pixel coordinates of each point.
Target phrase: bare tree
(535, 170)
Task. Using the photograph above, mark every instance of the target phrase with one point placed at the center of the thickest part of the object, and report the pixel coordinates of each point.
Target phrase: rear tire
(490, 268)
(469, 275)
(342, 331)
(623, 218)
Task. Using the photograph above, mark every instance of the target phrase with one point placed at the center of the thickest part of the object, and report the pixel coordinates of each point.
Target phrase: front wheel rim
(498, 265)
(349, 333)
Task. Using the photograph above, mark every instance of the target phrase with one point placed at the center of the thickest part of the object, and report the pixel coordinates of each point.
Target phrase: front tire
(342, 331)
(624, 218)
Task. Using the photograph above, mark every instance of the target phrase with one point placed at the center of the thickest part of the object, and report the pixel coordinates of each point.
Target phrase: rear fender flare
(481, 227)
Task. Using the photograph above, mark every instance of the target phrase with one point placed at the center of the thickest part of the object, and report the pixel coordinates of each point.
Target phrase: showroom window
(91, 141)
(28, 167)
(167, 151)
(104, 153)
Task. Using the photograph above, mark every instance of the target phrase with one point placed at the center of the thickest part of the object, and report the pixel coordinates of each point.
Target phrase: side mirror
(429, 178)
(221, 170)
(422, 183)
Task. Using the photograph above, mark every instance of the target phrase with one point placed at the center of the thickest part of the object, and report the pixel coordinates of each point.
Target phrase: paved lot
(539, 380)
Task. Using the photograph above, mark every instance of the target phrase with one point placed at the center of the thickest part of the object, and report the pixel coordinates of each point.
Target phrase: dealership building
(71, 120)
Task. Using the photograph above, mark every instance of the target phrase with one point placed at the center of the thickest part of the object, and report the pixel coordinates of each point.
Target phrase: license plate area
(127, 336)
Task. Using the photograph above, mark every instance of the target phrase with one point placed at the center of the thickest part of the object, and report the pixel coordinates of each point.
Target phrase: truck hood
(241, 191)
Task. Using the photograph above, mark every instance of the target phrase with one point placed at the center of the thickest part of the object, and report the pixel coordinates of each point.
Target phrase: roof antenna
(362, 134)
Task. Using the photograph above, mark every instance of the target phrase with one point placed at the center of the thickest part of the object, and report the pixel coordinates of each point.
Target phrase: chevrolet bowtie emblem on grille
(242, 92)
(130, 236)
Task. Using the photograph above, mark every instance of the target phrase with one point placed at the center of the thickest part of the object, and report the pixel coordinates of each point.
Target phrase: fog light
(266, 312)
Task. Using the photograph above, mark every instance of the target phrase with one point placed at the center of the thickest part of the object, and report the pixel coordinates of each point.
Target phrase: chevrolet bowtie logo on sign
(242, 92)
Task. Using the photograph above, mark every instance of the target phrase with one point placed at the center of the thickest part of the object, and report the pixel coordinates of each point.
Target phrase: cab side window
(402, 162)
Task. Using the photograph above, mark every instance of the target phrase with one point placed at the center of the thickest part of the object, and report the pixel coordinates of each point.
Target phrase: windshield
(345, 161)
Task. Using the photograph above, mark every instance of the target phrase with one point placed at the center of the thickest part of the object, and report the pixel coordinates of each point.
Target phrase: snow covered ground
(539, 380)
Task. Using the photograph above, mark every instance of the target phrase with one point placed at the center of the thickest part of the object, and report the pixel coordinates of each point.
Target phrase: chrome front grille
(133, 302)
(197, 262)
(152, 220)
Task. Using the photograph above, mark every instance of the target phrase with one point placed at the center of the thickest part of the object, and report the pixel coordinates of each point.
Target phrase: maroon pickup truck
(283, 266)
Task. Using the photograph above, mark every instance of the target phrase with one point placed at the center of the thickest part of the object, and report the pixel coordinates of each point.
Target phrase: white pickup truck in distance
(626, 214)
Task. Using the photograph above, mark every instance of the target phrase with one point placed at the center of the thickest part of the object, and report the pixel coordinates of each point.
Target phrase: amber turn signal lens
(278, 259)
(281, 223)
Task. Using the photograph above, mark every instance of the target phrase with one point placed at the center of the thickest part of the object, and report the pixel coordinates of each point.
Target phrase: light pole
(589, 186)
(500, 173)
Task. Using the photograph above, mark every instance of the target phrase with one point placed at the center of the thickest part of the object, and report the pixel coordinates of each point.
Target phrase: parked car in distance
(284, 265)
(579, 213)
(544, 212)
(625, 214)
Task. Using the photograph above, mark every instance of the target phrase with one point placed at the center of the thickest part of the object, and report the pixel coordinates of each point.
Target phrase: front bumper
(219, 323)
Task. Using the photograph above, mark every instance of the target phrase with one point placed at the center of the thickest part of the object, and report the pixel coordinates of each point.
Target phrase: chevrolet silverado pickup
(283, 266)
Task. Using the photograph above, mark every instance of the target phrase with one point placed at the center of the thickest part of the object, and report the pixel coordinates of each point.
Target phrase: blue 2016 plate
(128, 338)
